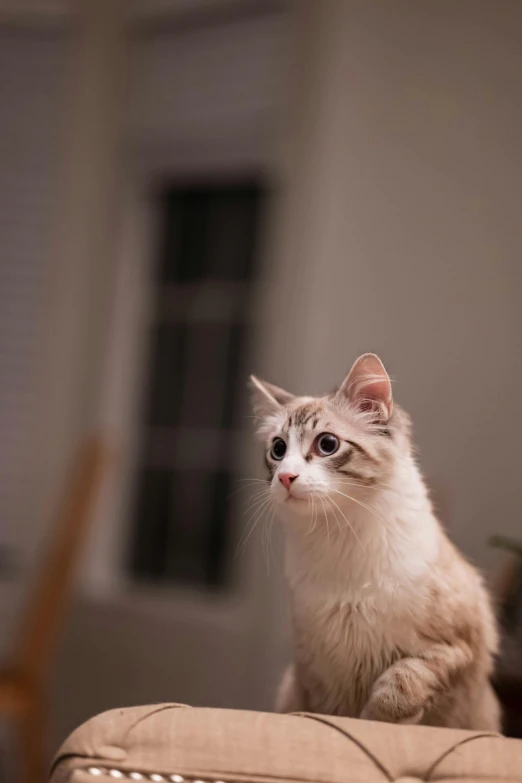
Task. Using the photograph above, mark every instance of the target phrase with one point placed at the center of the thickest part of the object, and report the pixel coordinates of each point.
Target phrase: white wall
(201, 85)
(404, 226)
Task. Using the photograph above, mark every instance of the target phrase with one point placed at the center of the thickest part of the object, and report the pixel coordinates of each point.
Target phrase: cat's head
(326, 451)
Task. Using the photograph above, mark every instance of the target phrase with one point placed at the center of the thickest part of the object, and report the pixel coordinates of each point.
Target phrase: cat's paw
(373, 711)
(412, 720)
(387, 711)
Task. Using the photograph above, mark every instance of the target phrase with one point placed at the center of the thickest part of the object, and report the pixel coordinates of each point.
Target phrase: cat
(390, 622)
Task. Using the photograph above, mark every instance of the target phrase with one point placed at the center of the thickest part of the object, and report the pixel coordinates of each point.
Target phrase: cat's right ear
(368, 387)
(268, 399)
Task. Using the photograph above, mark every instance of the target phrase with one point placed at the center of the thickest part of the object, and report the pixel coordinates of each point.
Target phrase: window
(195, 383)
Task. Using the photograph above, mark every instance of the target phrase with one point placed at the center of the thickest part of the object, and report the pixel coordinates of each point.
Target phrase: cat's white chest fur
(349, 600)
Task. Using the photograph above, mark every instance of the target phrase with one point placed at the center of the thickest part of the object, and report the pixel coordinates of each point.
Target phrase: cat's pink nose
(286, 479)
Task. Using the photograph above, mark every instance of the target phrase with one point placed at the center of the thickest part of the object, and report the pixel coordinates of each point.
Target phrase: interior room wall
(31, 98)
(404, 233)
(399, 233)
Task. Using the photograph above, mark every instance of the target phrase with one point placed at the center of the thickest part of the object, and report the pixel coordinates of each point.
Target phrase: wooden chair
(23, 684)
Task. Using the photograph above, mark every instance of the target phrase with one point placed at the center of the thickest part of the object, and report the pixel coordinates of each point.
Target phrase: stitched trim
(102, 771)
(448, 752)
(346, 734)
(163, 708)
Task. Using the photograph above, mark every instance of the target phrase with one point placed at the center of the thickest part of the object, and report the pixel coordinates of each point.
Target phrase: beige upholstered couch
(175, 744)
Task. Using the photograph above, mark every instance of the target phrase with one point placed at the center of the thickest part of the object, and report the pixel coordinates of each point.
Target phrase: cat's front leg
(290, 694)
(410, 686)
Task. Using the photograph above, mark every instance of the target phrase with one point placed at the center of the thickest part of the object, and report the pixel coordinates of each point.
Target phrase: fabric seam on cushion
(64, 756)
(59, 759)
(163, 708)
(346, 734)
(448, 752)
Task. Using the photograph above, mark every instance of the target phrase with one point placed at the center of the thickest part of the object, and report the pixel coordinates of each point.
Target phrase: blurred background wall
(387, 139)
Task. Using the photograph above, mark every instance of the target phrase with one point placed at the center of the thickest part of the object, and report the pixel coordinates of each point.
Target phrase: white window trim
(104, 574)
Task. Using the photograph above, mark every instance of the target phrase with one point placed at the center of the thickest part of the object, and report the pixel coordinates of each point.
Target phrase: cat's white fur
(389, 621)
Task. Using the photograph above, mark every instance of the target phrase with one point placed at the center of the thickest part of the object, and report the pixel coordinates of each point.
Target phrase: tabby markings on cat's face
(322, 453)
(310, 455)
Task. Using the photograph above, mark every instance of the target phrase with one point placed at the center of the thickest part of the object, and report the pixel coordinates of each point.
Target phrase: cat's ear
(267, 398)
(368, 387)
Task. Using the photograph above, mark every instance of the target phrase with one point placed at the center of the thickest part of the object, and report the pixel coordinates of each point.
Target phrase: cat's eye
(327, 444)
(278, 449)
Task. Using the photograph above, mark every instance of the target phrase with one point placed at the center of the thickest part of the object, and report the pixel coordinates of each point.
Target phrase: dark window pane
(166, 374)
(205, 376)
(194, 237)
(232, 233)
(198, 338)
(217, 539)
(187, 533)
(153, 512)
(209, 232)
(171, 223)
(236, 341)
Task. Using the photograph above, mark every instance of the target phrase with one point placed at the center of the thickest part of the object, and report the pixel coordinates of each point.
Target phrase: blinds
(31, 89)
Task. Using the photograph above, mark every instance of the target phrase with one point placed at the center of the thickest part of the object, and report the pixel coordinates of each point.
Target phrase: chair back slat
(49, 596)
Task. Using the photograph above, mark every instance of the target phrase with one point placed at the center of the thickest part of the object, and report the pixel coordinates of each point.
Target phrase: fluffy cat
(390, 622)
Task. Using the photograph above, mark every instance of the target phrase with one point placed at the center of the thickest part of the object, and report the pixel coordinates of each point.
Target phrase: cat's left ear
(267, 398)
(368, 387)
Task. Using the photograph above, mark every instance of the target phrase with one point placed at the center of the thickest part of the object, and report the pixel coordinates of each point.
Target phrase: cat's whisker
(254, 507)
(256, 499)
(362, 485)
(353, 483)
(314, 513)
(266, 525)
(257, 515)
(310, 502)
(331, 500)
(240, 489)
(326, 519)
(270, 527)
(308, 505)
(265, 543)
(269, 524)
(257, 490)
(245, 486)
(256, 503)
(327, 500)
(360, 503)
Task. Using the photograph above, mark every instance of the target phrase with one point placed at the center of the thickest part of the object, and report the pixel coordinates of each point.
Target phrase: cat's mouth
(290, 497)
